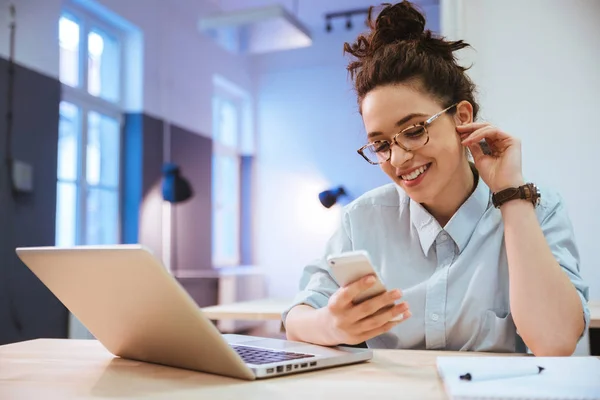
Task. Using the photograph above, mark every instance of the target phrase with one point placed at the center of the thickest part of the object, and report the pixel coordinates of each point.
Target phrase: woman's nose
(399, 156)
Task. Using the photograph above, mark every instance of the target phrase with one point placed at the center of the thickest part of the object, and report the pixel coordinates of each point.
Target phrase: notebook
(572, 378)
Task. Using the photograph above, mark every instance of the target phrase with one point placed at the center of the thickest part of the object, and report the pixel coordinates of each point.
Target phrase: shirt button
(443, 236)
(435, 317)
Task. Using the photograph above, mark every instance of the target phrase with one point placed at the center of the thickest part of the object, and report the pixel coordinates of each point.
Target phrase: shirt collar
(462, 224)
(427, 227)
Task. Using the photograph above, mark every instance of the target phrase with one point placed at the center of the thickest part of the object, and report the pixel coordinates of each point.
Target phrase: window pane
(103, 150)
(68, 34)
(102, 219)
(103, 65)
(226, 203)
(68, 141)
(66, 211)
(225, 238)
(229, 167)
(230, 240)
(226, 180)
(228, 123)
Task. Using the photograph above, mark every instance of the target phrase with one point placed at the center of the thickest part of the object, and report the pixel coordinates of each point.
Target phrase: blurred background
(247, 103)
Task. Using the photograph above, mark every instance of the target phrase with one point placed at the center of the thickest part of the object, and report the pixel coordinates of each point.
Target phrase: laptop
(126, 298)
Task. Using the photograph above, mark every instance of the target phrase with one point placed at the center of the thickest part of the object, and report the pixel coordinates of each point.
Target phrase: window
(89, 139)
(231, 127)
(97, 73)
(89, 147)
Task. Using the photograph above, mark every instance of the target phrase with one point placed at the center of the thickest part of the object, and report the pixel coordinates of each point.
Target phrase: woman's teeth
(414, 175)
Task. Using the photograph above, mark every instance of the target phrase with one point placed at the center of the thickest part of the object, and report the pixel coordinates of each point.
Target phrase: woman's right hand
(350, 323)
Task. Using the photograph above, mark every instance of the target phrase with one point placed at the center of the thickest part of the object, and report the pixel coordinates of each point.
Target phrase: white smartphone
(351, 266)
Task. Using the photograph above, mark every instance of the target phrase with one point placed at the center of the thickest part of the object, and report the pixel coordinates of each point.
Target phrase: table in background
(255, 310)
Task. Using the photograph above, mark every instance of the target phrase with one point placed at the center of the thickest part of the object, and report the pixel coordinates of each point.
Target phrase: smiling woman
(476, 253)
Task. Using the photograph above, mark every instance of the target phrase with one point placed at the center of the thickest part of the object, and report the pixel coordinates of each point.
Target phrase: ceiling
(310, 12)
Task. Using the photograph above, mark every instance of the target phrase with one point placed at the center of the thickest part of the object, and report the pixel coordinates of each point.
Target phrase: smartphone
(351, 266)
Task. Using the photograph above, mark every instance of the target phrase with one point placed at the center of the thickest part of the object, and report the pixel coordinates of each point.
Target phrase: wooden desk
(256, 310)
(64, 369)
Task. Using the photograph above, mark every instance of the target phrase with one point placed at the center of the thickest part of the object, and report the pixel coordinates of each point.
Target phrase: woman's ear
(464, 113)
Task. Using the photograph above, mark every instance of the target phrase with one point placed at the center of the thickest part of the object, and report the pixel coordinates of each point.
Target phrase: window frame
(81, 98)
(227, 91)
(87, 22)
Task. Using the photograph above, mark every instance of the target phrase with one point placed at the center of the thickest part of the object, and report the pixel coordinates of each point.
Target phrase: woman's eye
(381, 147)
(414, 132)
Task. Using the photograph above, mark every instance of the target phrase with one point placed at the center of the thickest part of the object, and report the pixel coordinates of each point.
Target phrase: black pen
(509, 373)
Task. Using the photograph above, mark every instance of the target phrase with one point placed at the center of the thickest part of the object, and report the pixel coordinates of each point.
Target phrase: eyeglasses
(409, 139)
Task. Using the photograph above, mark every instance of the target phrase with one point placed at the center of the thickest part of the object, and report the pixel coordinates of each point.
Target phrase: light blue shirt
(455, 278)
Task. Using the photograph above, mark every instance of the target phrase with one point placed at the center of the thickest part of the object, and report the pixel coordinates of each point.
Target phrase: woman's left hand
(502, 168)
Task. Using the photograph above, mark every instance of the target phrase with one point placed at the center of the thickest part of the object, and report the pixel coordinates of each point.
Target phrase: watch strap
(525, 192)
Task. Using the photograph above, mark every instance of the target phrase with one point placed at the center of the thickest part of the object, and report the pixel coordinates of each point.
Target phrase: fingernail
(407, 314)
(396, 294)
(370, 280)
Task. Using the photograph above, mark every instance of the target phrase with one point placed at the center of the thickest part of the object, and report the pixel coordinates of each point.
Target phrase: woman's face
(387, 110)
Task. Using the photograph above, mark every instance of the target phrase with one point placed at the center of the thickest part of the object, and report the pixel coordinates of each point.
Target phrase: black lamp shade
(175, 188)
(329, 197)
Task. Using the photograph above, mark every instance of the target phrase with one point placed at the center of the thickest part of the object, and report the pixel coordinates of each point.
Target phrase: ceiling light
(256, 30)
(348, 14)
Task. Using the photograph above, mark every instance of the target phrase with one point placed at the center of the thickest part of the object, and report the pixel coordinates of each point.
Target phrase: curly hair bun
(397, 48)
(397, 22)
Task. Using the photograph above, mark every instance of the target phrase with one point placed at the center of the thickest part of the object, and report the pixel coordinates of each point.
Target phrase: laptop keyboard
(253, 355)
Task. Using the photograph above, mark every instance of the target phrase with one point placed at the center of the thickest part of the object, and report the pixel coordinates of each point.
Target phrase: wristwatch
(528, 192)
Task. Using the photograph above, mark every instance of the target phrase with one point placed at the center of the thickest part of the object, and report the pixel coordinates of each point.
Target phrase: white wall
(539, 81)
(36, 34)
(537, 63)
(308, 130)
(178, 62)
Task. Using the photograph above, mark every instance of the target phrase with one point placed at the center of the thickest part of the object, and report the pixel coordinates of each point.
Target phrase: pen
(512, 373)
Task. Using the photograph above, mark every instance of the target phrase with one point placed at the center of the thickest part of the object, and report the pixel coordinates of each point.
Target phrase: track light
(348, 14)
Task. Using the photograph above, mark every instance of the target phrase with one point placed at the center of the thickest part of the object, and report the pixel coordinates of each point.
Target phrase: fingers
(477, 131)
(382, 329)
(345, 295)
(373, 305)
(491, 133)
(494, 140)
(476, 151)
(354, 323)
(468, 128)
(379, 319)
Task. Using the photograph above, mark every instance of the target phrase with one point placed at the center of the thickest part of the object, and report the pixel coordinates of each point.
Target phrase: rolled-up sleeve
(316, 283)
(559, 234)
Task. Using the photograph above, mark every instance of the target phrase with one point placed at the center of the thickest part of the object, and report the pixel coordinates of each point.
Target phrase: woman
(483, 263)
